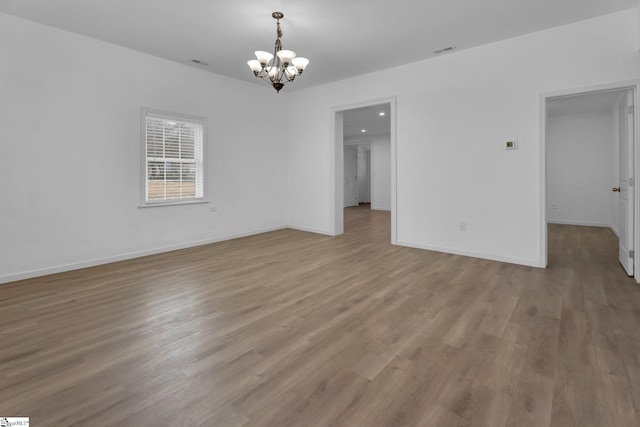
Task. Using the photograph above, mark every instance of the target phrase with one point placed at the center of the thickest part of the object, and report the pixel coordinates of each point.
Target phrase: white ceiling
(341, 38)
(596, 102)
(367, 118)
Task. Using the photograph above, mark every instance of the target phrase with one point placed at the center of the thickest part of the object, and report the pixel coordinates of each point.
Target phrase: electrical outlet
(463, 226)
(554, 205)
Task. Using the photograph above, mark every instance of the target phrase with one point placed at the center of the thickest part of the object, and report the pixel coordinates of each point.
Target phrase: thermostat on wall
(510, 145)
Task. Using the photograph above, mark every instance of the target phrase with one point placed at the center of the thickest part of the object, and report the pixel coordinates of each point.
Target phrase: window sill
(176, 203)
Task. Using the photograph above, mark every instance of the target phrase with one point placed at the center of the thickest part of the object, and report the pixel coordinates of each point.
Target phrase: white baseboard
(500, 258)
(131, 255)
(615, 230)
(309, 230)
(583, 223)
(380, 208)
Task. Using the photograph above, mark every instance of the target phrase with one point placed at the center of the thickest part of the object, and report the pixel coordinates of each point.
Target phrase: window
(173, 152)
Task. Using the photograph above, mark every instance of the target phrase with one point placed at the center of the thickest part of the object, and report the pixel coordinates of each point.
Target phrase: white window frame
(148, 112)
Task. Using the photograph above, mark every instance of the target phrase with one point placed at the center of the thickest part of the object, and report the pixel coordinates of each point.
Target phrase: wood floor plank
(292, 329)
(532, 402)
(499, 314)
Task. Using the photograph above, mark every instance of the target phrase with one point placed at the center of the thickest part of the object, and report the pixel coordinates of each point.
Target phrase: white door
(364, 174)
(625, 184)
(350, 176)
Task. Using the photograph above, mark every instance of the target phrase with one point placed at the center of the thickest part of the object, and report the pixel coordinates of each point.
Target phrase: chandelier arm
(269, 82)
(288, 76)
(280, 69)
(266, 80)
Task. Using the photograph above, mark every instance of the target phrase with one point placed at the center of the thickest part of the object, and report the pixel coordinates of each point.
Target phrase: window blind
(174, 159)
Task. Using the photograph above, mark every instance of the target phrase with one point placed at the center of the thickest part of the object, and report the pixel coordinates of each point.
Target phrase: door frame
(634, 86)
(336, 161)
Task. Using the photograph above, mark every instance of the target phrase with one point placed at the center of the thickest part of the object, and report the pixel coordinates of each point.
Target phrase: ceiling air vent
(445, 50)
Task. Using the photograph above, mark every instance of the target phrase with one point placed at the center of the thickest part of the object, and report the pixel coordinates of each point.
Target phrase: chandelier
(281, 67)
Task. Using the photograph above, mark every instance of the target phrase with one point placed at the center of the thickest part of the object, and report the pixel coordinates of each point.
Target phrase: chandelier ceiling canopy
(280, 67)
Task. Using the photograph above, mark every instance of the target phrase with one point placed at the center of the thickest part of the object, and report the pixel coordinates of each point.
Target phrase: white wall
(580, 173)
(454, 113)
(70, 152)
(638, 32)
(381, 169)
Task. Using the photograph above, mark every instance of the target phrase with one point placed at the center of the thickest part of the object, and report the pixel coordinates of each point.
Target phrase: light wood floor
(295, 329)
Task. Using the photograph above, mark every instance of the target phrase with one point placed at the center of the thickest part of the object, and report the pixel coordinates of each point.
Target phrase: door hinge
(632, 254)
(631, 182)
(632, 109)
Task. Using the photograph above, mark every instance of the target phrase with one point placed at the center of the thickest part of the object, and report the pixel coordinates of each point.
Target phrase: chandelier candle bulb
(255, 66)
(300, 63)
(273, 73)
(286, 56)
(281, 67)
(263, 57)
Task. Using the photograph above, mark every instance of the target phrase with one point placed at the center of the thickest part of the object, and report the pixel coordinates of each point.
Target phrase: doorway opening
(590, 162)
(364, 162)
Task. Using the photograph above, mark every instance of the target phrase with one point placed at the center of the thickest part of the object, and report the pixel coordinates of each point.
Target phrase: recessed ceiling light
(381, 113)
(363, 130)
